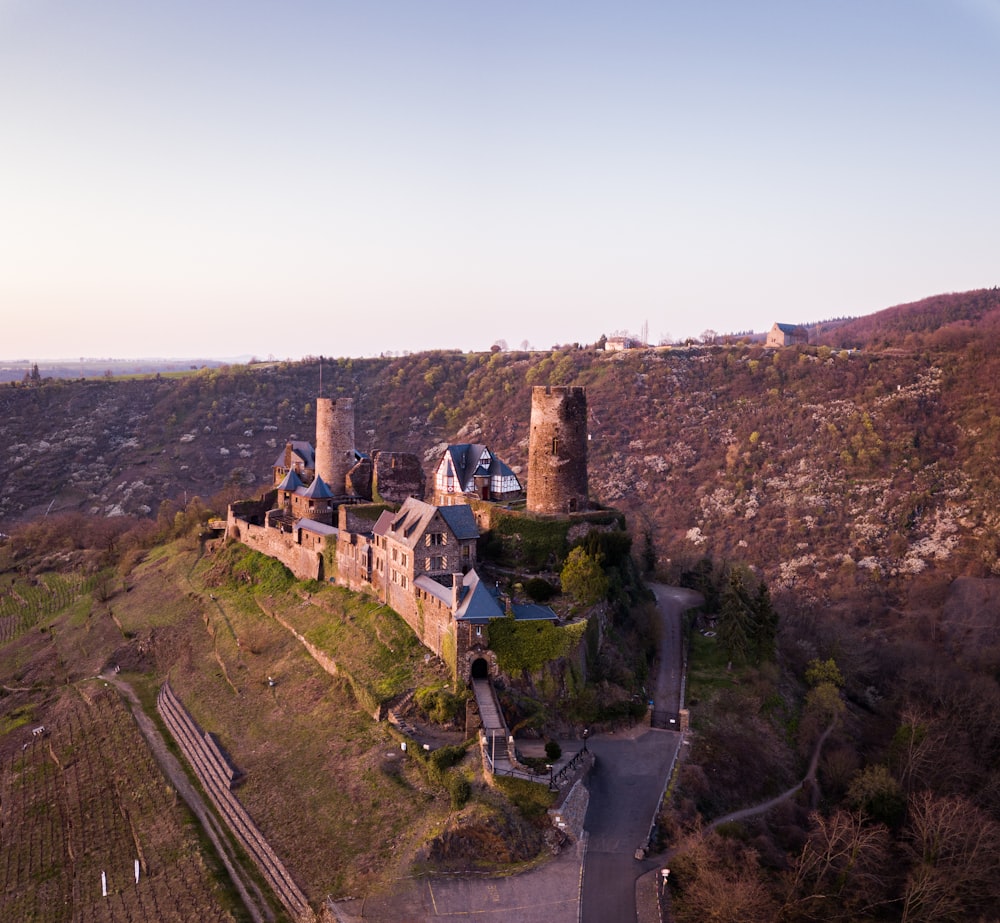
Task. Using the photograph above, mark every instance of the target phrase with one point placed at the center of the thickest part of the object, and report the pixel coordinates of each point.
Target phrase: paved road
(625, 789)
(672, 602)
(631, 774)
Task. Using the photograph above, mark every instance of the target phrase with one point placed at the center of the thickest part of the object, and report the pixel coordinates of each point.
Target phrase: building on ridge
(297, 456)
(787, 335)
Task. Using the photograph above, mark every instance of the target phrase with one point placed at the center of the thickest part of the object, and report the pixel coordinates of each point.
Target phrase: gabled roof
(317, 490)
(409, 523)
(414, 518)
(436, 589)
(301, 448)
(478, 604)
(290, 481)
(791, 328)
(461, 521)
(466, 459)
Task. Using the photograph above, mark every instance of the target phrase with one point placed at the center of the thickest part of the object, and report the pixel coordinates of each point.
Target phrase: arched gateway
(480, 669)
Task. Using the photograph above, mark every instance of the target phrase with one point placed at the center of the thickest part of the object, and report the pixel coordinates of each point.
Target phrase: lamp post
(586, 734)
(552, 781)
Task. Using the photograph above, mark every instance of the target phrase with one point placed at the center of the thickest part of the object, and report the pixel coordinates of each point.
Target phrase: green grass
(707, 673)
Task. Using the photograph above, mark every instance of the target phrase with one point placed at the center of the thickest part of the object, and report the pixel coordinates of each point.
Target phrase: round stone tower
(334, 441)
(557, 450)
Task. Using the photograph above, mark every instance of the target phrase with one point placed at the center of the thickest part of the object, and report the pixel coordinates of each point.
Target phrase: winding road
(630, 777)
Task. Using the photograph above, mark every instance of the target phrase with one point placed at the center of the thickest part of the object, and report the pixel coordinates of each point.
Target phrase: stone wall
(305, 560)
(397, 476)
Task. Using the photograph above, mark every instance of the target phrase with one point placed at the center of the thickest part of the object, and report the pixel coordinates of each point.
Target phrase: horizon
(334, 179)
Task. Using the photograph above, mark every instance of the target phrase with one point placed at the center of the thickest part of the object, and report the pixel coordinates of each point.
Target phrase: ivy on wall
(527, 646)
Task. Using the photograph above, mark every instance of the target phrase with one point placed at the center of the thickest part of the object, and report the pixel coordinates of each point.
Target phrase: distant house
(787, 335)
(618, 344)
(467, 471)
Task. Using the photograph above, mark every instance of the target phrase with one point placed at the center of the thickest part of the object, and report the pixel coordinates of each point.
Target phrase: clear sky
(221, 178)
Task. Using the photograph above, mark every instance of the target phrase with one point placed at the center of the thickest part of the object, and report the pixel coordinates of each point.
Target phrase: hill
(843, 475)
(861, 483)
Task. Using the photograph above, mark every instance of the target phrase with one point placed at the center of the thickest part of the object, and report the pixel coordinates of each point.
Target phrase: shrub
(459, 789)
(539, 589)
(552, 750)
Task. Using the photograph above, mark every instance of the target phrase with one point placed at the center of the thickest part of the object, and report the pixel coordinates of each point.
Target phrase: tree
(878, 796)
(719, 880)
(583, 578)
(735, 625)
(765, 623)
(842, 873)
(824, 671)
(954, 848)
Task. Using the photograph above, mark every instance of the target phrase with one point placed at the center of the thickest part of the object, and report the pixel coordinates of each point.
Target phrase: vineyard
(24, 602)
(82, 798)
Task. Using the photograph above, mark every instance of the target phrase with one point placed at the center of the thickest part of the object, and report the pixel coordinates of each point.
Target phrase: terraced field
(84, 797)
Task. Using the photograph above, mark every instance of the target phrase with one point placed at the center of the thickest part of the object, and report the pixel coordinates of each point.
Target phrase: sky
(290, 178)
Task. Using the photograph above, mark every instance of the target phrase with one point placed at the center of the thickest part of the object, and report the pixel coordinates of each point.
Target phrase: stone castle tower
(335, 441)
(557, 450)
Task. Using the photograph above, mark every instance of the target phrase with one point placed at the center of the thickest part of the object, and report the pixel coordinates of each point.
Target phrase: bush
(539, 589)
(439, 705)
(552, 750)
(459, 789)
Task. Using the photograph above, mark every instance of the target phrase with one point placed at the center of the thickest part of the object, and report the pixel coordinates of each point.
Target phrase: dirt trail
(255, 902)
(764, 807)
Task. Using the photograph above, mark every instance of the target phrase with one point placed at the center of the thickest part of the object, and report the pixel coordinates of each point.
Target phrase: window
(436, 538)
(436, 563)
(403, 558)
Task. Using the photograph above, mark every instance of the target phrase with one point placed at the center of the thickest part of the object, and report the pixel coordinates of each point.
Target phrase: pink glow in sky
(221, 179)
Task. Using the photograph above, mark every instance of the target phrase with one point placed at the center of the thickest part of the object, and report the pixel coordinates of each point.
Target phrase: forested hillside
(842, 474)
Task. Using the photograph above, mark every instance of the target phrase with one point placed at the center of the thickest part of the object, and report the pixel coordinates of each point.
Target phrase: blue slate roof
(478, 604)
(532, 612)
(301, 448)
(466, 459)
(321, 528)
(317, 490)
(290, 481)
(460, 520)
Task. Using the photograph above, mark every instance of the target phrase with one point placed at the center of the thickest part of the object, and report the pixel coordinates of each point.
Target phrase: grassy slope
(327, 785)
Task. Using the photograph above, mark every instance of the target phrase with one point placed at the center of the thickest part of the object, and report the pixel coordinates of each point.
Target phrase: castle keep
(557, 451)
(335, 455)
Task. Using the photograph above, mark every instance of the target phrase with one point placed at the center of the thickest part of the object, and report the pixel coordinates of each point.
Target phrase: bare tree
(842, 872)
(954, 848)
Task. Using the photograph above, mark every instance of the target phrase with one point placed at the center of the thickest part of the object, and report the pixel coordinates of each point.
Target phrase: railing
(571, 766)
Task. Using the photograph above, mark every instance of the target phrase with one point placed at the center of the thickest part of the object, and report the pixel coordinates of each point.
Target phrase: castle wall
(557, 450)
(304, 560)
(335, 441)
(431, 621)
(397, 476)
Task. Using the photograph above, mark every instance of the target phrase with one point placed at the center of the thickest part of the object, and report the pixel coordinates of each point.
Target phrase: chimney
(288, 456)
(456, 592)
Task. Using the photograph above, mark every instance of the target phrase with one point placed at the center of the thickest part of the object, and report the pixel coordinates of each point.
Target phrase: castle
(335, 514)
